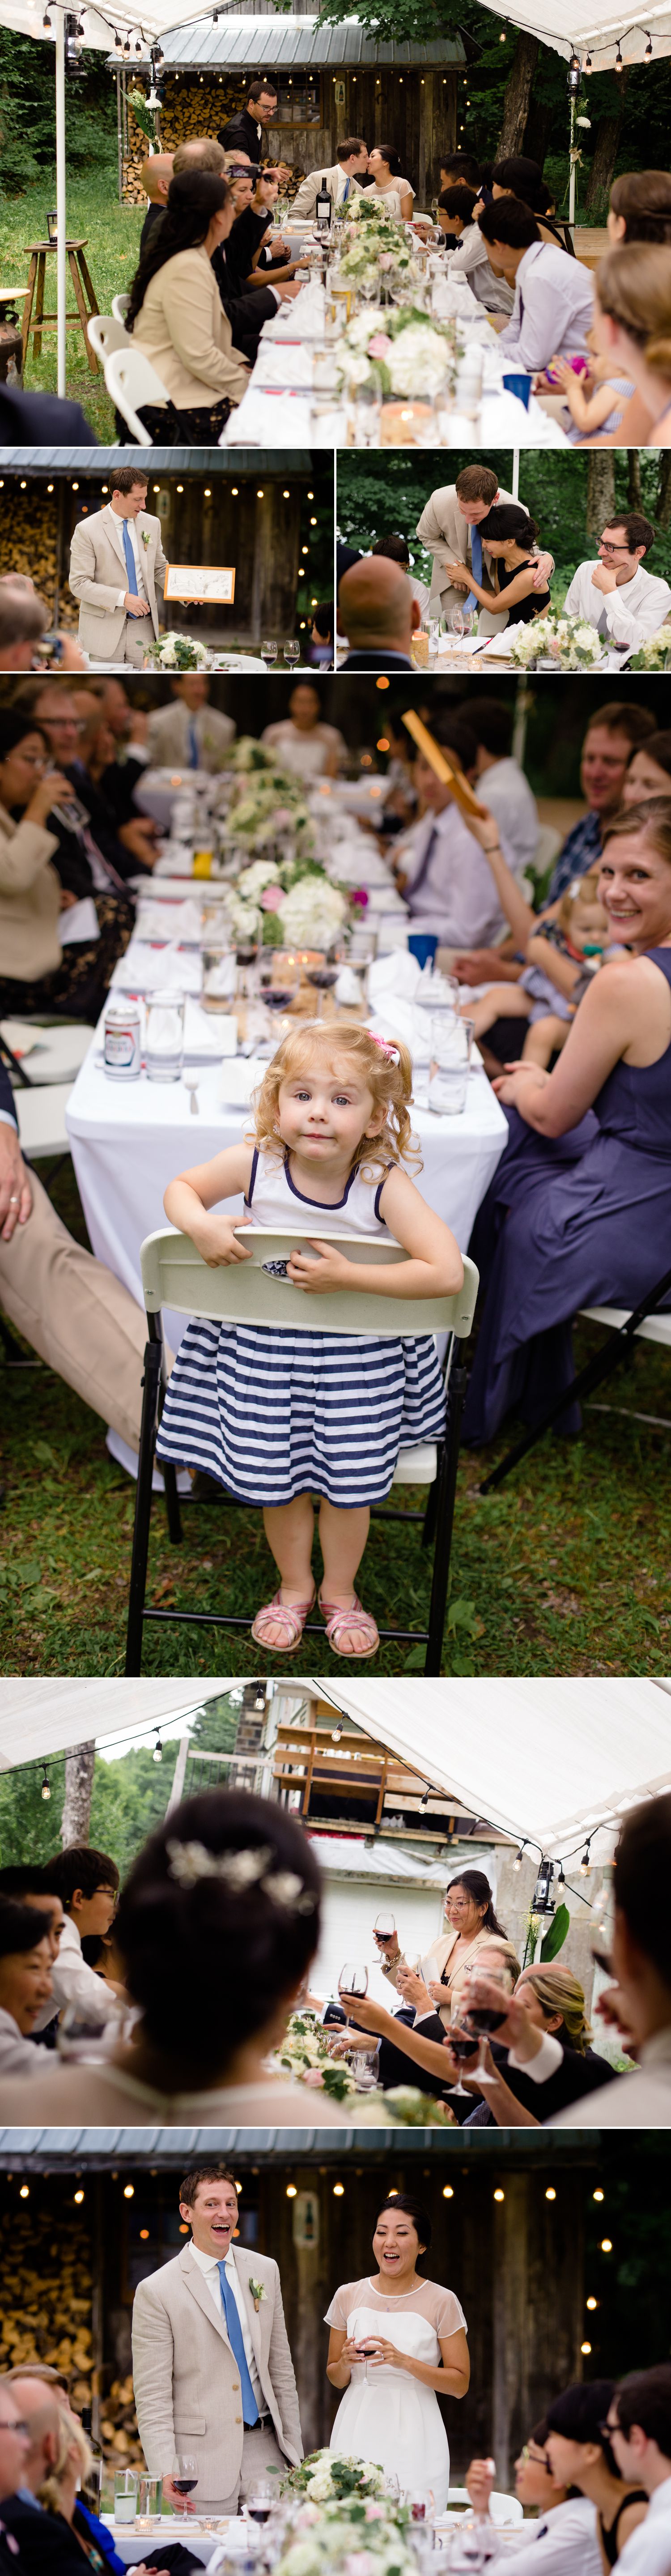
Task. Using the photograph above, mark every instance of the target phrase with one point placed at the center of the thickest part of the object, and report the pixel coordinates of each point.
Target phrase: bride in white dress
(395, 2341)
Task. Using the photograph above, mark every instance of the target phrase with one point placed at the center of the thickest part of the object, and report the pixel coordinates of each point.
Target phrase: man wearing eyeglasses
(615, 594)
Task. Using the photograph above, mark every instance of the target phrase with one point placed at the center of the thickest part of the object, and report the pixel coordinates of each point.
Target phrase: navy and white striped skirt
(274, 1414)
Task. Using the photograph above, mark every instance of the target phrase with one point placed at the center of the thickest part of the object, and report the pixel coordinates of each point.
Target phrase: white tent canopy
(39, 1718)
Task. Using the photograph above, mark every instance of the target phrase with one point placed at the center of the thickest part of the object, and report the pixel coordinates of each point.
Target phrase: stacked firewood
(191, 107)
(28, 539)
(118, 2427)
(46, 2295)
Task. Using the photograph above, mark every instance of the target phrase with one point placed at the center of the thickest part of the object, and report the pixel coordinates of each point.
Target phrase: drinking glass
(291, 651)
(184, 2477)
(367, 415)
(259, 2500)
(245, 958)
(269, 655)
(87, 2036)
(463, 2045)
(451, 1042)
(384, 1928)
(322, 975)
(457, 621)
(126, 2482)
(353, 1979)
(150, 2498)
(483, 2018)
(468, 620)
(281, 987)
(164, 1035)
(365, 2065)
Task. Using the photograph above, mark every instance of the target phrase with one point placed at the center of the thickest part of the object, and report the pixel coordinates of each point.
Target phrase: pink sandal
(338, 1621)
(292, 1614)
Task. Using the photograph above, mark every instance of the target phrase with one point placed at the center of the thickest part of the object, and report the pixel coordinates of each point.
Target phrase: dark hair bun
(217, 1924)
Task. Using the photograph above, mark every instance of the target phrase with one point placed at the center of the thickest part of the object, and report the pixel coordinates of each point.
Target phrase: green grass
(566, 1570)
(112, 235)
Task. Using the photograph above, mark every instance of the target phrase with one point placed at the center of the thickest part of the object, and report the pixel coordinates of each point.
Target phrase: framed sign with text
(208, 582)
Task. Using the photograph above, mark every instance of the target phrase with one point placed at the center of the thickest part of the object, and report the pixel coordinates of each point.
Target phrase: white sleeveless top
(273, 1199)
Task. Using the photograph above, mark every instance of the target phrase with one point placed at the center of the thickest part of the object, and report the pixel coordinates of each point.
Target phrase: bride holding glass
(397, 2342)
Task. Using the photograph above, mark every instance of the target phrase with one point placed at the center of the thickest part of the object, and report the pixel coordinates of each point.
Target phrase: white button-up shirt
(563, 2542)
(553, 309)
(457, 897)
(74, 1982)
(469, 260)
(625, 615)
(18, 2056)
(506, 791)
(648, 2550)
(208, 2264)
(115, 527)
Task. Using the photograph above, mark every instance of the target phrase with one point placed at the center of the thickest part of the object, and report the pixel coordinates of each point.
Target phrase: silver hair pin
(189, 1863)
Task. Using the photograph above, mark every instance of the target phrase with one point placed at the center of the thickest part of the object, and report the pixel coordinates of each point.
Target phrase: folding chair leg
(446, 1486)
(169, 1474)
(605, 1361)
(138, 1572)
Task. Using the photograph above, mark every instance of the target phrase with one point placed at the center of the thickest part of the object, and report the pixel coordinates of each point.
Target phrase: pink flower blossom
(360, 896)
(282, 815)
(313, 2077)
(271, 898)
(386, 259)
(380, 344)
(357, 2562)
(375, 2512)
(309, 2513)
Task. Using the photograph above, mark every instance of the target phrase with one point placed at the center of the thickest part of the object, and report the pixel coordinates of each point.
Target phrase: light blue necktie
(345, 192)
(130, 559)
(476, 563)
(194, 756)
(250, 2412)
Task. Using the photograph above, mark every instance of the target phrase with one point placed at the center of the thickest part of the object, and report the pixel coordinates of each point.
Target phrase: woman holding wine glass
(397, 2343)
(471, 1923)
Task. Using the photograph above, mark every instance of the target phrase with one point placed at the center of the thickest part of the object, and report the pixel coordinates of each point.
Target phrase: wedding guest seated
(501, 783)
(510, 536)
(25, 1984)
(523, 179)
(395, 192)
(456, 873)
(226, 1875)
(562, 2538)
(128, 845)
(558, 1161)
(245, 312)
(613, 733)
(155, 177)
(322, 635)
(342, 180)
(14, 2441)
(39, 420)
(596, 400)
(469, 258)
(176, 317)
(640, 208)
(580, 2451)
(633, 295)
(255, 193)
(562, 955)
(85, 1883)
(38, 972)
(460, 167)
(616, 594)
(51, 2531)
(378, 614)
(554, 296)
(23, 619)
(638, 2007)
(189, 731)
(639, 2430)
(648, 770)
(301, 742)
(525, 2082)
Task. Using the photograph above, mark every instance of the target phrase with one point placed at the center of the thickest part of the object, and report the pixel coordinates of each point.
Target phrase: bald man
(378, 615)
(156, 174)
(46, 2546)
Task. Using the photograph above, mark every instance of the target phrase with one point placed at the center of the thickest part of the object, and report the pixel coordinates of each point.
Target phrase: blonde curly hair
(71, 2438)
(386, 1070)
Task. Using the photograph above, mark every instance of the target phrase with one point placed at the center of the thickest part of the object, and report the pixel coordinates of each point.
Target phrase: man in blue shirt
(613, 733)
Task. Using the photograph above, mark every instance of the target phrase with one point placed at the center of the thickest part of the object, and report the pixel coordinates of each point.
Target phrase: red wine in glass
(277, 997)
(462, 2048)
(418, 2510)
(259, 2512)
(183, 2486)
(323, 977)
(485, 2018)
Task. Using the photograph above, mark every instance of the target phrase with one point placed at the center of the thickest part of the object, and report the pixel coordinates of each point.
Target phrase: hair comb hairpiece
(189, 1863)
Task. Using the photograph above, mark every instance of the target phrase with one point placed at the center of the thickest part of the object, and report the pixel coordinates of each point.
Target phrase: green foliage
(553, 1940)
(27, 116)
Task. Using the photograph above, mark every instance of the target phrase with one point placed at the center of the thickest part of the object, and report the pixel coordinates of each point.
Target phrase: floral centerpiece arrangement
(375, 244)
(177, 653)
(568, 642)
(304, 2054)
(344, 2519)
(284, 896)
(655, 653)
(410, 355)
(324, 2479)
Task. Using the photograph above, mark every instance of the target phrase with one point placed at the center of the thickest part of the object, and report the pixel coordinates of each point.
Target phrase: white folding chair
(41, 1119)
(174, 1275)
(131, 380)
(642, 1323)
(505, 2510)
(55, 1056)
(106, 333)
(120, 305)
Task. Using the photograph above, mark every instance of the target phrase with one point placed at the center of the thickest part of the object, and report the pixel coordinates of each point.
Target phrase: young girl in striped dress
(276, 1415)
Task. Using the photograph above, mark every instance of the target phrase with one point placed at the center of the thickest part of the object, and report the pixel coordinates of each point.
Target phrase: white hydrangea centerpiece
(407, 353)
(654, 654)
(177, 653)
(569, 643)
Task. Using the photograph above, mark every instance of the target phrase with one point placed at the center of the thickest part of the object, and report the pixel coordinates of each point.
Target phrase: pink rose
(309, 2513)
(380, 344)
(271, 899)
(386, 259)
(314, 2078)
(359, 896)
(375, 2512)
(282, 814)
(357, 2563)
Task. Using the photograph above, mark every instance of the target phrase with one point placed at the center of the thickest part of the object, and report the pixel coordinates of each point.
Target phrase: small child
(279, 1415)
(563, 953)
(596, 400)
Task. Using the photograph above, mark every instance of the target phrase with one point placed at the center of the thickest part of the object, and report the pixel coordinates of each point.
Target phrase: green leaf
(414, 1662)
(553, 1940)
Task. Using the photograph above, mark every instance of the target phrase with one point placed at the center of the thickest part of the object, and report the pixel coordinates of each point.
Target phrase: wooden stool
(39, 253)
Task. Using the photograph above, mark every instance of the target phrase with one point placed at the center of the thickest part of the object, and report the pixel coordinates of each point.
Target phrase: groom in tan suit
(212, 2369)
(447, 525)
(117, 572)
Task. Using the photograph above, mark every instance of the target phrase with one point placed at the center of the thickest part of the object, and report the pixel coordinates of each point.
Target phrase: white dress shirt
(18, 2056)
(75, 1983)
(469, 260)
(506, 791)
(115, 530)
(625, 615)
(647, 2552)
(641, 2100)
(457, 897)
(563, 2542)
(208, 2264)
(553, 309)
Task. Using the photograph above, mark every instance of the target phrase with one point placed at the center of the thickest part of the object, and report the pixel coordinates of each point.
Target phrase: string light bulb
(157, 1755)
(519, 1856)
(259, 1698)
(424, 1800)
(618, 58)
(561, 1882)
(587, 65)
(336, 1732)
(647, 58)
(585, 1862)
(45, 1791)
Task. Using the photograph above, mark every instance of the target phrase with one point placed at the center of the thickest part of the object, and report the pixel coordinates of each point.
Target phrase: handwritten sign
(208, 582)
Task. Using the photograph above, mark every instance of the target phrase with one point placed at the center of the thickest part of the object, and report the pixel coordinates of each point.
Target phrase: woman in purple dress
(579, 1211)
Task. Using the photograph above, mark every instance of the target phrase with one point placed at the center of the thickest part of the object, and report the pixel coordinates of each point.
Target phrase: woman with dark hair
(521, 178)
(38, 973)
(396, 194)
(397, 2343)
(25, 1985)
(579, 2453)
(562, 2540)
(648, 770)
(510, 536)
(229, 1883)
(579, 1212)
(471, 1923)
(175, 312)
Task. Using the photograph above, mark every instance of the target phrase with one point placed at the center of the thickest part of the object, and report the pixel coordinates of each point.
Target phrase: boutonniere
(258, 2292)
(146, 534)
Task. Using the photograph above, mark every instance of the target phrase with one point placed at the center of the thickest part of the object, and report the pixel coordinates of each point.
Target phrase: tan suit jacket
(185, 2377)
(30, 900)
(98, 574)
(306, 196)
(168, 735)
(184, 330)
(443, 528)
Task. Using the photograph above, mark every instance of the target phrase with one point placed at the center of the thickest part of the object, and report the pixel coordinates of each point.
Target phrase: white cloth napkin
(78, 922)
(289, 366)
(157, 970)
(272, 420)
(302, 318)
(392, 978)
(181, 923)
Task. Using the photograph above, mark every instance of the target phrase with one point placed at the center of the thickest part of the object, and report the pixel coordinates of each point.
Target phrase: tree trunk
(663, 502)
(536, 138)
(634, 494)
(76, 1817)
(600, 490)
(605, 149)
(517, 94)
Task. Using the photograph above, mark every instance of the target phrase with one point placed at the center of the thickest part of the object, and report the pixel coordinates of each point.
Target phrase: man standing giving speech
(212, 2370)
(117, 572)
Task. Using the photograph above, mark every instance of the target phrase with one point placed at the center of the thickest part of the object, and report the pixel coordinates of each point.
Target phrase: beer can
(122, 1052)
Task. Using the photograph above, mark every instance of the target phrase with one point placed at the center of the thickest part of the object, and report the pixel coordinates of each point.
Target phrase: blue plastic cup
(520, 385)
(423, 945)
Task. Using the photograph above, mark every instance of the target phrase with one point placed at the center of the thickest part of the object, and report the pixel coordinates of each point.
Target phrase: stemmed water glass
(457, 621)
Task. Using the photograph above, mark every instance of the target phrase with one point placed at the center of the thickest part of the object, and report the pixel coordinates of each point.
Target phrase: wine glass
(323, 975)
(365, 2065)
(291, 651)
(279, 992)
(353, 1980)
(384, 1928)
(457, 621)
(468, 616)
(485, 2017)
(184, 2477)
(269, 655)
(259, 2500)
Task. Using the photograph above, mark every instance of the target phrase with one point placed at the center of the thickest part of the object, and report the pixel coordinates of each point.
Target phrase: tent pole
(516, 473)
(61, 203)
(571, 182)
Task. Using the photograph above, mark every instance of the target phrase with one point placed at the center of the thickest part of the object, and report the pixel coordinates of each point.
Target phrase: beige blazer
(184, 330)
(168, 735)
(98, 574)
(306, 196)
(443, 528)
(30, 900)
(435, 1960)
(185, 2377)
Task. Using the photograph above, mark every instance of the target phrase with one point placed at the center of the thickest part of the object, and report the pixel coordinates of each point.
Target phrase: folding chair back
(131, 380)
(120, 305)
(106, 333)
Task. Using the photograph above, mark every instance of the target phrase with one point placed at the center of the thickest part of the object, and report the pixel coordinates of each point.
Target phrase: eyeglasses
(537, 2458)
(613, 550)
